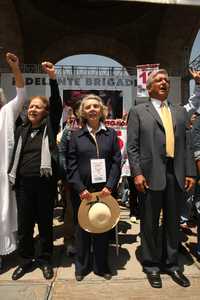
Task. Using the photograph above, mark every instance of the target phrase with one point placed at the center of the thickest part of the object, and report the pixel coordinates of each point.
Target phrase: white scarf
(45, 165)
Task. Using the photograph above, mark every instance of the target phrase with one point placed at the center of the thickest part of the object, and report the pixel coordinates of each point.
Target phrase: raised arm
(55, 102)
(49, 68)
(16, 105)
(196, 75)
(13, 62)
(193, 104)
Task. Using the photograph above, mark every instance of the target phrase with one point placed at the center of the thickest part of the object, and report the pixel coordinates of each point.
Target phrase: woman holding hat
(94, 161)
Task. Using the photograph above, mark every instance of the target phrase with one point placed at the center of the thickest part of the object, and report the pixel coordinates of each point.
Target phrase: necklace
(34, 132)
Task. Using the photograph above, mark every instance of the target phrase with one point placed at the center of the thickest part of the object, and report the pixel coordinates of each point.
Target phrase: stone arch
(90, 44)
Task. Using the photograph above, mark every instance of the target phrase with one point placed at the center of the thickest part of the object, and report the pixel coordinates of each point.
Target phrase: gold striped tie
(166, 118)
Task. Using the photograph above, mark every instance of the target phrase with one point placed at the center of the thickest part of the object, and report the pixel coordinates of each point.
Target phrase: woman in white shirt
(9, 112)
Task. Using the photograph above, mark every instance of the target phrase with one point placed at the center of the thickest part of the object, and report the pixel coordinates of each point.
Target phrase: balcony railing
(70, 70)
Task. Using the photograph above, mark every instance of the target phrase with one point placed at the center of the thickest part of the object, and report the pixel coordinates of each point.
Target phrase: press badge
(98, 170)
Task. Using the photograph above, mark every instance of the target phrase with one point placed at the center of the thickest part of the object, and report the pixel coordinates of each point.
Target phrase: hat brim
(84, 208)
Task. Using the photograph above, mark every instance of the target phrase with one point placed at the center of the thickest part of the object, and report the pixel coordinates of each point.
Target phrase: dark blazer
(146, 145)
(82, 148)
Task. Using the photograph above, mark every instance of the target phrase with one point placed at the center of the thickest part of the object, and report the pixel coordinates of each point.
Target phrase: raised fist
(195, 74)
(48, 68)
(12, 59)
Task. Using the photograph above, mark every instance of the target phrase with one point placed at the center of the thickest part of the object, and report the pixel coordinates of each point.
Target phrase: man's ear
(149, 90)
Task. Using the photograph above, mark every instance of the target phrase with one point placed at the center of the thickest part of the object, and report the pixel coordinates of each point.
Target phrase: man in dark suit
(162, 165)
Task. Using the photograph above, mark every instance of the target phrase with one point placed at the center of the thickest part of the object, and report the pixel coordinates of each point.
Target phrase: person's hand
(189, 183)
(12, 60)
(49, 68)
(195, 74)
(105, 192)
(140, 183)
(85, 195)
(193, 119)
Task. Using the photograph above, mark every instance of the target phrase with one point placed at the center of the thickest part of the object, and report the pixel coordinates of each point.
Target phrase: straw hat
(99, 214)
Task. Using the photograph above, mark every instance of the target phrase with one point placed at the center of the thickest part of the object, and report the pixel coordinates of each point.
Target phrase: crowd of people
(163, 148)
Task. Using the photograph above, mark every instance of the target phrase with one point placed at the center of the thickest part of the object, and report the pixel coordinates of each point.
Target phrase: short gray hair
(104, 110)
(153, 74)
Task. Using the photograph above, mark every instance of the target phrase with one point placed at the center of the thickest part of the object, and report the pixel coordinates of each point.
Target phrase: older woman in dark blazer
(92, 141)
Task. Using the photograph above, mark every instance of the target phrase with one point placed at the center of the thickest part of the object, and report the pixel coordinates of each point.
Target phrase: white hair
(153, 75)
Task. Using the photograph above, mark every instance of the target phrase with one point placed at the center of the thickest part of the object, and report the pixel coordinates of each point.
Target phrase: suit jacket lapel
(154, 113)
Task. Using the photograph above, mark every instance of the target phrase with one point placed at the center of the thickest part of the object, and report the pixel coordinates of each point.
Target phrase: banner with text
(143, 72)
